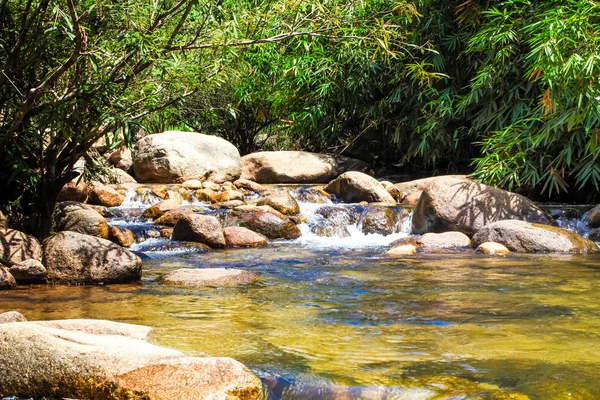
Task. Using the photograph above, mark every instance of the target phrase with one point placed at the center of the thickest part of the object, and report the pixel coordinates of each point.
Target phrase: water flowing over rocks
(522, 236)
(81, 218)
(207, 277)
(237, 236)
(451, 204)
(174, 156)
(16, 247)
(296, 167)
(75, 258)
(200, 228)
(104, 359)
(354, 187)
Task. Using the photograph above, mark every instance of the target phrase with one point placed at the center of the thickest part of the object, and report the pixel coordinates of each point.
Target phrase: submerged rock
(522, 236)
(207, 277)
(16, 247)
(7, 281)
(296, 167)
(12, 316)
(237, 236)
(174, 156)
(444, 240)
(492, 248)
(29, 271)
(354, 187)
(377, 220)
(200, 228)
(95, 359)
(451, 204)
(281, 201)
(75, 258)
(81, 218)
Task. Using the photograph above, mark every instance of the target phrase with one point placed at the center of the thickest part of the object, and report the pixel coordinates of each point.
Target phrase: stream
(333, 318)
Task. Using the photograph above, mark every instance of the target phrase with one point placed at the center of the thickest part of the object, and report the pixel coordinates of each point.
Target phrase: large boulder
(522, 236)
(238, 236)
(174, 156)
(16, 247)
(281, 201)
(200, 228)
(270, 225)
(354, 187)
(75, 258)
(461, 205)
(81, 218)
(207, 277)
(296, 167)
(96, 359)
(412, 190)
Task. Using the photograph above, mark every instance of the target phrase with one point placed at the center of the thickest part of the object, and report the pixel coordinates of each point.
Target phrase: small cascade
(572, 218)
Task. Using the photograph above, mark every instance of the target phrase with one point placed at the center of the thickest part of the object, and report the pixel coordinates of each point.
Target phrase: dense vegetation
(508, 90)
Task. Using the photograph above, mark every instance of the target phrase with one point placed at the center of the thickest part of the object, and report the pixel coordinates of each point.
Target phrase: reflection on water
(345, 324)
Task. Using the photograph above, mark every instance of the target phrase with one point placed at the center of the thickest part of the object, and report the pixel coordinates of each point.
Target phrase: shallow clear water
(350, 323)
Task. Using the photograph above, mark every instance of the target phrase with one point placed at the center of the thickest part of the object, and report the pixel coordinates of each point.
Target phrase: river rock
(522, 236)
(237, 236)
(451, 204)
(103, 195)
(207, 277)
(249, 185)
(160, 208)
(206, 195)
(16, 247)
(377, 220)
(593, 217)
(7, 281)
(96, 359)
(74, 191)
(200, 228)
(29, 271)
(121, 177)
(77, 217)
(492, 248)
(444, 240)
(281, 201)
(231, 204)
(296, 167)
(411, 190)
(253, 209)
(75, 258)
(193, 184)
(270, 225)
(354, 187)
(402, 250)
(121, 158)
(173, 156)
(171, 217)
(121, 236)
(228, 195)
(12, 316)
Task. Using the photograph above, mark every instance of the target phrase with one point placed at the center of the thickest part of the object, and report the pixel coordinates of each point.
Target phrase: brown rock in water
(445, 240)
(161, 191)
(166, 232)
(402, 250)
(121, 158)
(522, 236)
(228, 195)
(160, 208)
(12, 316)
(74, 191)
(281, 201)
(29, 271)
(460, 205)
(211, 185)
(7, 281)
(103, 195)
(354, 187)
(270, 225)
(200, 228)
(207, 277)
(492, 248)
(593, 217)
(81, 218)
(121, 236)
(254, 209)
(206, 195)
(227, 204)
(296, 167)
(237, 236)
(377, 220)
(95, 359)
(122, 177)
(193, 184)
(173, 157)
(16, 247)
(171, 217)
(249, 185)
(75, 258)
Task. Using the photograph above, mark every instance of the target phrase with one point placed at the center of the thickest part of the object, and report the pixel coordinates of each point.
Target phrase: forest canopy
(506, 90)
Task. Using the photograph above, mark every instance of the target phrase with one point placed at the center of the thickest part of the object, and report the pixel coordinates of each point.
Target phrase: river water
(333, 318)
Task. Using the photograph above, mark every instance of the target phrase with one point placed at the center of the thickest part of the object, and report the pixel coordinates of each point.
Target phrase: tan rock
(355, 187)
(74, 191)
(161, 191)
(377, 220)
(12, 316)
(77, 217)
(411, 190)
(16, 247)
(7, 281)
(103, 195)
(171, 217)
(444, 240)
(270, 225)
(166, 232)
(193, 184)
(200, 228)
(161, 208)
(206, 195)
(29, 271)
(254, 209)
(121, 158)
(121, 236)
(492, 248)
(402, 250)
(249, 185)
(237, 236)
(281, 201)
(229, 195)
(207, 277)
(211, 185)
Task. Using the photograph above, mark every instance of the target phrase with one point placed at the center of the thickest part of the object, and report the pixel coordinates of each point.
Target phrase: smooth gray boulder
(522, 236)
(296, 167)
(451, 204)
(175, 157)
(354, 187)
(96, 359)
